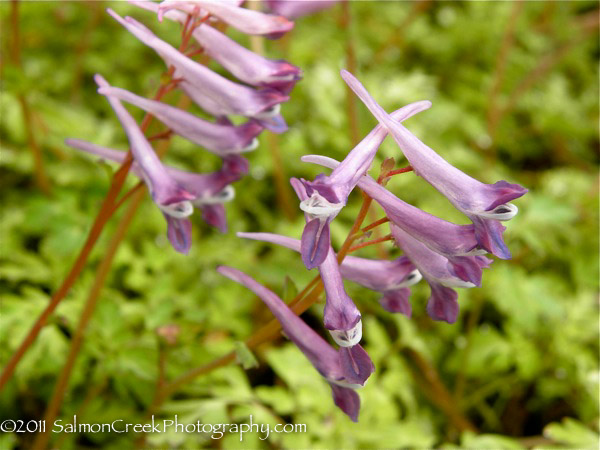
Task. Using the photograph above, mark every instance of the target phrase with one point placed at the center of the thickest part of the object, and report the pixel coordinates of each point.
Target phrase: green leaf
(244, 356)
(573, 433)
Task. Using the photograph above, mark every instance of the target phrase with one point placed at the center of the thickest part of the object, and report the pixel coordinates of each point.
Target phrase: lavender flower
(244, 64)
(391, 278)
(345, 369)
(209, 90)
(458, 243)
(168, 195)
(341, 316)
(329, 194)
(219, 138)
(442, 305)
(294, 8)
(245, 20)
(484, 204)
(210, 190)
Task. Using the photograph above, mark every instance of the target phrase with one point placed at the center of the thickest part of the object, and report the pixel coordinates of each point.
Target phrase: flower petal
(179, 232)
(347, 400)
(314, 243)
(396, 301)
(356, 364)
(443, 304)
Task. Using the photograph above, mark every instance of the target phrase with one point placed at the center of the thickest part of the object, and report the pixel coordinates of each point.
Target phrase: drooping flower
(458, 243)
(212, 92)
(210, 190)
(242, 63)
(390, 277)
(327, 195)
(345, 369)
(168, 195)
(341, 316)
(298, 8)
(442, 304)
(484, 204)
(243, 19)
(219, 138)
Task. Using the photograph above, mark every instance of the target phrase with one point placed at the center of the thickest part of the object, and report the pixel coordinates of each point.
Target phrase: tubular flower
(341, 316)
(210, 190)
(345, 369)
(298, 8)
(242, 19)
(484, 204)
(219, 138)
(168, 195)
(391, 278)
(212, 92)
(442, 305)
(327, 195)
(458, 243)
(242, 63)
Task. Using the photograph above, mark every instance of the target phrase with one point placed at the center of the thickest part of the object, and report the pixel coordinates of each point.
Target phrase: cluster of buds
(264, 85)
(444, 254)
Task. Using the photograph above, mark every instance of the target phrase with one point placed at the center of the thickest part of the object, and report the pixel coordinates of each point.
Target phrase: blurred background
(514, 87)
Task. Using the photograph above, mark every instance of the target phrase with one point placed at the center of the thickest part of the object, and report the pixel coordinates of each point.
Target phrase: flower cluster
(444, 254)
(265, 84)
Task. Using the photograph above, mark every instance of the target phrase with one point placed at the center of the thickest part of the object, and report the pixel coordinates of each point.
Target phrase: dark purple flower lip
(179, 232)
(314, 243)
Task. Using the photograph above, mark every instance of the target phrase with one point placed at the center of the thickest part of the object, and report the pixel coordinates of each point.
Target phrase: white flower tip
(502, 212)
(225, 195)
(345, 384)
(269, 112)
(348, 338)
(316, 206)
(179, 210)
(413, 278)
(253, 145)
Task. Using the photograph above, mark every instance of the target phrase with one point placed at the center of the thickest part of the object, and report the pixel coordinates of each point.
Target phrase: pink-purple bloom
(392, 278)
(345, 369)
(219, 138)
(484, 204)
(341, 316)
(212, 92)
(327, 195)
(298, 8)
(458, 243)
(442, 304)
(210, 190)
(243, 19)
(168, 195)
(242, 63)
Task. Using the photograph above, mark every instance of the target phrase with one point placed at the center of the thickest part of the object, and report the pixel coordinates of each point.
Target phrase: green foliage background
(526, 343)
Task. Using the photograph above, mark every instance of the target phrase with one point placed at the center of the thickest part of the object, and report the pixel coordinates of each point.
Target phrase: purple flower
(327, 195)
(341, 316)
(458, 243)
(442, 304)
(294, 8)
(212, 92)
(245, 20)
(345, 369)
(219, 138)
(244, 64)
(484, 204)
(391, 278)
(168, 195)
(210, 190)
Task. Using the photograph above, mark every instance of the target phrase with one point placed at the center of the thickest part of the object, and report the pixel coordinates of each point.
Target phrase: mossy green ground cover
(521, 361)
